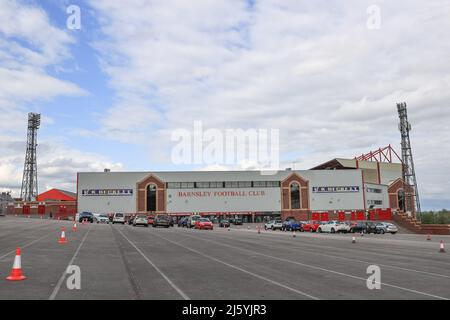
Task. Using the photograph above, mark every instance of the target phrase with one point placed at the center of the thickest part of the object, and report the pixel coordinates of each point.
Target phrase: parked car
(119, 218)
(191, 221)
(181, 221)
(150, 219)
(224, 224)
(291, 225)
(88, 216)
(161, 220)
(386, 227)
(274, 225)
(140, 220)
(237, 222)
(102, 218)
(185, 222)
(333, 227)
(311, 226)
(204, 224)
(364, 227)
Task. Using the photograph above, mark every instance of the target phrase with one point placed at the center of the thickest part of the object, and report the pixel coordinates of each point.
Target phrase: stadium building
(341, 187)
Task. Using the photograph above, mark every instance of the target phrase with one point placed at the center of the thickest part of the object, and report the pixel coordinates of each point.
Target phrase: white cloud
(29, 45)
(313, 70)
(57, 166)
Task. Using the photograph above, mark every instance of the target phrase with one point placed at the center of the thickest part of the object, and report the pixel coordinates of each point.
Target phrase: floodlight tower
(409, 174)
(29, 189)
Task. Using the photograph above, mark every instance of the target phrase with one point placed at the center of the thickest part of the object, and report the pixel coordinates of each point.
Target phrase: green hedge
(436, 217)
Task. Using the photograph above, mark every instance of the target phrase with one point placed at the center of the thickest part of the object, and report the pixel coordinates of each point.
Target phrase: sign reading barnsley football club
(107, 192)
(241, 193)
(340, 189)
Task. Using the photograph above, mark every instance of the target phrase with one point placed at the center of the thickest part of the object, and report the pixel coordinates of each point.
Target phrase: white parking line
(240, 269)
(26, 245)
(322, 269)
(173, 285)
(394, 252)
(63, 276)
(310, 251)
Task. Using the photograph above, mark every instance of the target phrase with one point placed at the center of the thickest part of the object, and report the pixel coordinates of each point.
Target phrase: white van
(119, 218)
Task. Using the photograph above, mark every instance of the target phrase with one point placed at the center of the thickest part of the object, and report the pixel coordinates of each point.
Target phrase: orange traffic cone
(62, 239)
(441, 247)
(74, 227)
(16, 272)
(428, 238)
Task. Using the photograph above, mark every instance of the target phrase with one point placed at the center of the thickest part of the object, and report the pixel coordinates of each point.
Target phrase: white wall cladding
(250, 199)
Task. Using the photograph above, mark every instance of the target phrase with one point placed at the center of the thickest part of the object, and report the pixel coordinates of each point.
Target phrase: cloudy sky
(112, 93)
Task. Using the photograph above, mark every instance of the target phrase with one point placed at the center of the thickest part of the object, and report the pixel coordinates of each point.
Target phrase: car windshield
(163, 217)
(203, 220)
(103, 216)
(141, 217)
(119, 215)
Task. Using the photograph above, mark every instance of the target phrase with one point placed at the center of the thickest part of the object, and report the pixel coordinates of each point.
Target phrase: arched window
(401, 200)
(151, 197)
(295, 196)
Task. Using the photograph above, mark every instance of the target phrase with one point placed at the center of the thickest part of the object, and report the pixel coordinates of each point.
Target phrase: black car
(87, 216)
(237, 222)
(364, 227)
(224, 224)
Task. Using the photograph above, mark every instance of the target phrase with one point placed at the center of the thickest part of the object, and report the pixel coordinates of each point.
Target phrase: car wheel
(332, 230)
(320, 230)
(382, 231)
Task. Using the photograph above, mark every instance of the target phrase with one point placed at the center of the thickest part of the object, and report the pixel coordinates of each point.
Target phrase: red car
(150, 219)
(204, 223)
(311, 226)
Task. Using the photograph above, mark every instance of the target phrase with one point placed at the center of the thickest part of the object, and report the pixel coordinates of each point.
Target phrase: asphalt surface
(125, 262)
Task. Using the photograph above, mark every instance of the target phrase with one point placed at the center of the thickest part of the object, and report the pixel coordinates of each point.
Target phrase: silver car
(102, 218)
(140, 220)
(387, 227)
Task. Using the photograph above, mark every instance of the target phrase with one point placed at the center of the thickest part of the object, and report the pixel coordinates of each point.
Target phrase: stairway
(411, 224)
(407, 222)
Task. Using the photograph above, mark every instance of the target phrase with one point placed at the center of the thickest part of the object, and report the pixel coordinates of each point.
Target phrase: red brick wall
(286, 211)
(141, 201)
